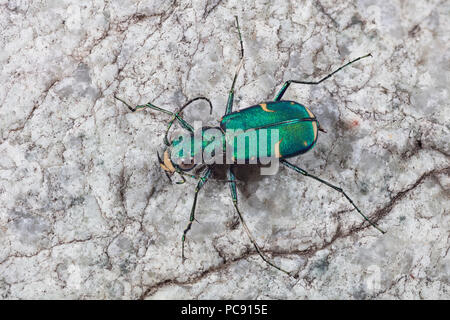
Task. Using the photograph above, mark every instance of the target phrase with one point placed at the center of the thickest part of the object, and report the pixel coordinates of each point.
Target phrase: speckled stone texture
(86, 212)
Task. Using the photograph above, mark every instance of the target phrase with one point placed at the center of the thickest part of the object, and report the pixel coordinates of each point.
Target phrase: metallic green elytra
(276, 130)
(296, 125)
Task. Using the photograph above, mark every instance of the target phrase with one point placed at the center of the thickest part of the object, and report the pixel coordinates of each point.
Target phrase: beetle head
(180, 154)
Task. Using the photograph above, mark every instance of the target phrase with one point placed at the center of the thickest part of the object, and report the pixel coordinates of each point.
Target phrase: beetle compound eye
(177, 135)
(186, 164)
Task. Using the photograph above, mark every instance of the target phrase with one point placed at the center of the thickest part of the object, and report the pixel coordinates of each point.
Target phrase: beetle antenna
(166, 140)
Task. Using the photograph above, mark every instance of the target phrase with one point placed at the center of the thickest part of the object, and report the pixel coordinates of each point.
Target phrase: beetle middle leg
(229, 108)
(201, 182)
(305, 173)
(288, 83)
(232, 181)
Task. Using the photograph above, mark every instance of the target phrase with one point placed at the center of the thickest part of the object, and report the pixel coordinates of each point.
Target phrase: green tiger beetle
(296, 127)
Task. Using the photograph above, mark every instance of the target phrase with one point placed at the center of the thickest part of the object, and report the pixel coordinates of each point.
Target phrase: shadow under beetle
(296, 125)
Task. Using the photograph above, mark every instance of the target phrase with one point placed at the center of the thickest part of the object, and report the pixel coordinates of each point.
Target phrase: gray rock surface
(86, 211)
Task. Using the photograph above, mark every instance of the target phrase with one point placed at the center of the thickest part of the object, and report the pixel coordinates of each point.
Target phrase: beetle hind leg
(305, 173)
(288, 83)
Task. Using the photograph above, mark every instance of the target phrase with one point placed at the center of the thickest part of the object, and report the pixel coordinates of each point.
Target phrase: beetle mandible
(297, 128)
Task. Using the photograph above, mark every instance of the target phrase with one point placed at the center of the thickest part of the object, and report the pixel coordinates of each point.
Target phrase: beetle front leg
(201, 182)
(232, 179)
(288, 83)
(182, 122)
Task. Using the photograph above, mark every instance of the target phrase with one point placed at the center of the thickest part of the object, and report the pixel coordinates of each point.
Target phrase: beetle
(296, 126)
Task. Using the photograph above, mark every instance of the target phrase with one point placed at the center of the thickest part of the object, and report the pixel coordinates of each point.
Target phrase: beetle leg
(183, 123)
(229, 108)
(287, 83)
(232, 179)
(303, 172)
(200, 184)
